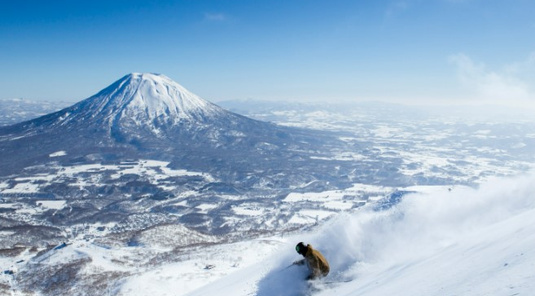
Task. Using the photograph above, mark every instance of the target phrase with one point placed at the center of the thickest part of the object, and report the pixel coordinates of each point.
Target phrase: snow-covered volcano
(137, 115)
(144, 99)
(137, 101)
(135, 108)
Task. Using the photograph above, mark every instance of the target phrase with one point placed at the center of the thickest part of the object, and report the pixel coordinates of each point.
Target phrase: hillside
(435, 242)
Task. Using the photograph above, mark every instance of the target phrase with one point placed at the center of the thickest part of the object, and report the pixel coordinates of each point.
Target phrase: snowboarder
(316, 263)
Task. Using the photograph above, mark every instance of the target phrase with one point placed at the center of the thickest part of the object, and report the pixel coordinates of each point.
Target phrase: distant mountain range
(17, 110)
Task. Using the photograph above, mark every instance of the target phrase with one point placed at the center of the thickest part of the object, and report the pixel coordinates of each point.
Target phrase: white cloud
(491, 85)
(215, 17)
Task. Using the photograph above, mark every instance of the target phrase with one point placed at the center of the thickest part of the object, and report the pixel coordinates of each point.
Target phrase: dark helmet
(301, 248)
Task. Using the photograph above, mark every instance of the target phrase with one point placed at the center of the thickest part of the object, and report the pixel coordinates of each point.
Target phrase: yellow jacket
(316, 263)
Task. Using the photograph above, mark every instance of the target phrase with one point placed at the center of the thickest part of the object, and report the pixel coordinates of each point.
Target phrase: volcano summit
(143, 101)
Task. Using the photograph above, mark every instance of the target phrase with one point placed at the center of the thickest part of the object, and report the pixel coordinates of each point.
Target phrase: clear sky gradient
(303, 50)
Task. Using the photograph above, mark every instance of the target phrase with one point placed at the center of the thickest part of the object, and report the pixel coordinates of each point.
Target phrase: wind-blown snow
(462, 241)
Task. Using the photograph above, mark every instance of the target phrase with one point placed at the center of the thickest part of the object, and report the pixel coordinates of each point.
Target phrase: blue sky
(304, 50)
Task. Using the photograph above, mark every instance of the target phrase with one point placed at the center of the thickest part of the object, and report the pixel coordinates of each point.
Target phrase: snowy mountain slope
(459, 242)
(496, 260)
(202, 267)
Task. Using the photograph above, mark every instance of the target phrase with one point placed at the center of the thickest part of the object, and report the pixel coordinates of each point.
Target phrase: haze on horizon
(403, 51)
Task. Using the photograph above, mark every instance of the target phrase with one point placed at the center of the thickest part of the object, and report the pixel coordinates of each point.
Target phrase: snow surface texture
(461, 241)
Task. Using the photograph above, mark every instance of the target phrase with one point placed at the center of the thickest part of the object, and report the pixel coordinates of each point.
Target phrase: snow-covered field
(153, 170)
